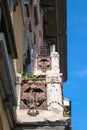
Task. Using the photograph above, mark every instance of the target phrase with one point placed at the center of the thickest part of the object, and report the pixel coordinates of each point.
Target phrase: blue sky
(76, 86)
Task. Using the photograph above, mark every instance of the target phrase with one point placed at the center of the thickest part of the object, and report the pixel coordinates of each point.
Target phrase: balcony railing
(44, 51)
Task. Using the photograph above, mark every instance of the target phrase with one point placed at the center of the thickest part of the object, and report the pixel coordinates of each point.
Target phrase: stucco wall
(4, 124)
(19, 36)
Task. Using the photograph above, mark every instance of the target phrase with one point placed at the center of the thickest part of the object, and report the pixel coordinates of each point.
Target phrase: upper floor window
(26, 9)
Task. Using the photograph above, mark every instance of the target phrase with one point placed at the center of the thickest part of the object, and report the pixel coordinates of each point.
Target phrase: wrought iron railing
(44, 51)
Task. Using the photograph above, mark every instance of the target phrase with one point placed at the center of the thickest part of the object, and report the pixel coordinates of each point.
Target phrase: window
(26, 9)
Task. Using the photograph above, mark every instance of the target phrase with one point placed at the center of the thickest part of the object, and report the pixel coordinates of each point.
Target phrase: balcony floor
(43, 116)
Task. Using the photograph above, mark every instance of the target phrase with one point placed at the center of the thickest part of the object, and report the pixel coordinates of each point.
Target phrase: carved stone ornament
(55, 61)
(55, 54)
(33, 96)
(53, 77)
(44, 64)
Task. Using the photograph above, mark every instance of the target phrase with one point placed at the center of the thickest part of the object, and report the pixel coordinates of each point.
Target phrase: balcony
(44, 51)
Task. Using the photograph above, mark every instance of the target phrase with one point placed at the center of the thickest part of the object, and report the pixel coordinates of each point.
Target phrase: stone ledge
(46, 125)
(43, 117)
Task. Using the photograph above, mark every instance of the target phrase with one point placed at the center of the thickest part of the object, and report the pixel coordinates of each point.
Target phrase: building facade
(33, 65)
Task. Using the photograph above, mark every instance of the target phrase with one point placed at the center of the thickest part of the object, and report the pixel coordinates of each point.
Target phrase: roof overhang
(7, 83)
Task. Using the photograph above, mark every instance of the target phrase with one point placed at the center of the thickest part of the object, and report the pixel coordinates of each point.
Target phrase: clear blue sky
(76, 86)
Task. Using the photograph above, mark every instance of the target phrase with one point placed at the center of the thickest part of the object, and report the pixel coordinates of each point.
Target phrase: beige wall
(4, 124)
(19, 36)
(1, 128)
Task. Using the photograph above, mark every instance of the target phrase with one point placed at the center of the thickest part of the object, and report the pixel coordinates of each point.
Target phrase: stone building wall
(4, 124)
(19, 36)
(39, 103)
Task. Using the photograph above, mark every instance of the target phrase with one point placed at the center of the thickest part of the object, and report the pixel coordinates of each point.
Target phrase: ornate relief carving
(33, 95)
(53, 77)
(43, 64)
